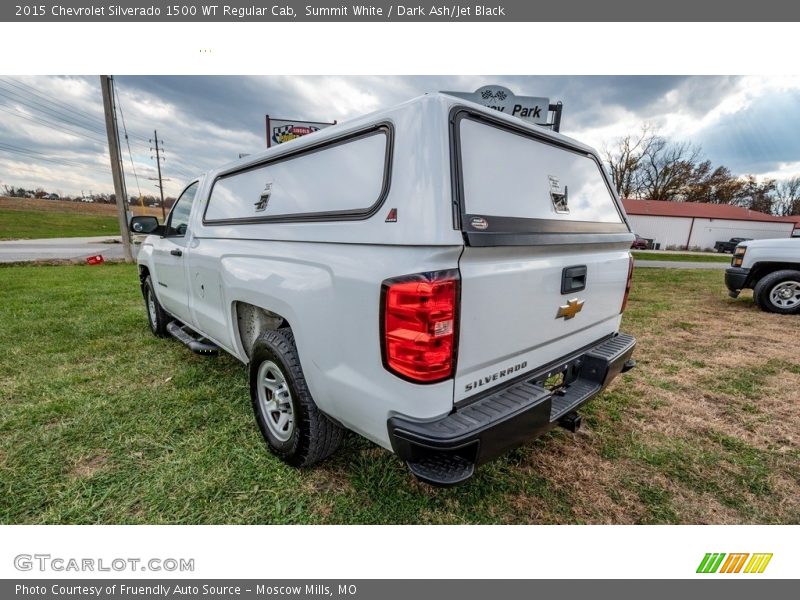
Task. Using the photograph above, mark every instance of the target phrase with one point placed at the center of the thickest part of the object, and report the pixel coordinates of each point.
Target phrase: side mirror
(144, 225)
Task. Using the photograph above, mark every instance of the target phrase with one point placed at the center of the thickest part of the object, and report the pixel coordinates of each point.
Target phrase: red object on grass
(97, 259)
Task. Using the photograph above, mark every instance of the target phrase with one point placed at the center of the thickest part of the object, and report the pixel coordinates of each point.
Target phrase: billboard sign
(280, 131)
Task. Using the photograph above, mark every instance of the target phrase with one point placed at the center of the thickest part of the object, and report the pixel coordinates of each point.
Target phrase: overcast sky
(52, 131)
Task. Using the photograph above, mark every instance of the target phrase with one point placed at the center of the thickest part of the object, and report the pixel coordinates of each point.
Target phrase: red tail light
(419, 321)
(627, 285)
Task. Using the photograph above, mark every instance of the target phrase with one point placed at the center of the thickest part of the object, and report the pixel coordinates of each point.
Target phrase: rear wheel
(156, 316)
(293, 427)
(779, 292)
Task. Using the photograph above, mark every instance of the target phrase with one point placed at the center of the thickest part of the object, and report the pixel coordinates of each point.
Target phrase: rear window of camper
(509, 174)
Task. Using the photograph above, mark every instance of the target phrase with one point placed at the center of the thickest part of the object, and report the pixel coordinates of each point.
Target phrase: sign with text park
(528, 108)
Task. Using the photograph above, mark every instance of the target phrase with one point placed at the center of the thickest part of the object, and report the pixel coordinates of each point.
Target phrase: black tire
(313, 436)
(762, 292)
(157, 318)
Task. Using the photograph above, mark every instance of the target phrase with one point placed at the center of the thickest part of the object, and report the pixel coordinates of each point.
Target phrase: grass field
(28, 224)
(722, 258)
(34, 219)
(100, 422)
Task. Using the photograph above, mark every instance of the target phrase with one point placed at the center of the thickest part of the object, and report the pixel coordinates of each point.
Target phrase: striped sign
(719, 562)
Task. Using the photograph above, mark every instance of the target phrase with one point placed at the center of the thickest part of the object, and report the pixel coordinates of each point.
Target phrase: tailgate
(510, 304)
(545, 267)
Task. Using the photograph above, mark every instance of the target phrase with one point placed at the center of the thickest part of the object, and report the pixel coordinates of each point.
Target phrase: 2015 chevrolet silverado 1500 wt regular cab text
(442, 279)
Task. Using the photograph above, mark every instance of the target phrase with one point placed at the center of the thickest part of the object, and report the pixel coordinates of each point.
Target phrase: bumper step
(577, 393)
(196, 345)
(442, 469)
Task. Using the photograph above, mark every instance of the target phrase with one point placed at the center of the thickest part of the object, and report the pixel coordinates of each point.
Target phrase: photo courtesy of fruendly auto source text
(270, 268)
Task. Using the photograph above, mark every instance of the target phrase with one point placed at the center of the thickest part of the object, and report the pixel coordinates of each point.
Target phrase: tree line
(11, 191)
(649, 166)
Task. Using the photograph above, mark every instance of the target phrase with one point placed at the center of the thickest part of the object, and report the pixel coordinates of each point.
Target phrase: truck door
(169, 255)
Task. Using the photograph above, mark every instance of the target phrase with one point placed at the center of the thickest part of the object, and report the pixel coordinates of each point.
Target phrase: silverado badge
(570, 309)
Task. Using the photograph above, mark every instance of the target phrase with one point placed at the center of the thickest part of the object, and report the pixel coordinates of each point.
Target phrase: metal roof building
(699, 225)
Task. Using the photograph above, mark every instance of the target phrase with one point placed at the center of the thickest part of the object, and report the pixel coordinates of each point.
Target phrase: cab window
(178, 221)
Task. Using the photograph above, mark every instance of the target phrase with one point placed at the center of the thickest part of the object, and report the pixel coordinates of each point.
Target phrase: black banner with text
(377, 11)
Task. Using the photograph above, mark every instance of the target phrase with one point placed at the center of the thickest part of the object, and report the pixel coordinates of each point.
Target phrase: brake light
(419, 321)
(627, 285)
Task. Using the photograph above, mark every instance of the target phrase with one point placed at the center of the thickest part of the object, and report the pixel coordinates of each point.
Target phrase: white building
(698, 225)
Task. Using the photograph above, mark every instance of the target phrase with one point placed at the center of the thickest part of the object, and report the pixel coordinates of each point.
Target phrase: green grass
(720, 258)
(101, 422)
(30, 224)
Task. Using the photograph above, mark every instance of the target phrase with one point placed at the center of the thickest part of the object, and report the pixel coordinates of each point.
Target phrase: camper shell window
(528, 188)
(342, 179)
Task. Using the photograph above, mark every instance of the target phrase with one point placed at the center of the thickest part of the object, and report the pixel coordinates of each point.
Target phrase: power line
(49, 112)
(47, 157)
(41, 121)
(59, 106)
(127, 140)
(160, 182)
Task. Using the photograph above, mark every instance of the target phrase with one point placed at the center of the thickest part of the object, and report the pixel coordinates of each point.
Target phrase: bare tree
(624, 159)
(787, 196)
(714, 187)
(757, 195)
(668, 169)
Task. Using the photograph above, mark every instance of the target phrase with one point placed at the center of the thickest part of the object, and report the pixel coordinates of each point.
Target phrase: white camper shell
(442, 279)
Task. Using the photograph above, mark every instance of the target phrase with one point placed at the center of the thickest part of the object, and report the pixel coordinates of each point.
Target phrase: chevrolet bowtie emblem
(570, 309)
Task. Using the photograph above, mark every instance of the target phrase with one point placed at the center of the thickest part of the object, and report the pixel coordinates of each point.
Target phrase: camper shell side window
(346, 178)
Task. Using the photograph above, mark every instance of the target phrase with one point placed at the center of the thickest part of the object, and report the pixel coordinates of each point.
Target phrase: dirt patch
(573, 474)
(88, 466)
(59, 262)
(84, 208)
(328, 479)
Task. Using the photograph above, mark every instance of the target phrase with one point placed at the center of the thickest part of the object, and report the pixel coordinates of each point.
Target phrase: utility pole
(160, 183)
(106, 83)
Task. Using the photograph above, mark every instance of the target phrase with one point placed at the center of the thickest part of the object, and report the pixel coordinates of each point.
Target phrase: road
(81, 247)
(676, 264)
(60, 248)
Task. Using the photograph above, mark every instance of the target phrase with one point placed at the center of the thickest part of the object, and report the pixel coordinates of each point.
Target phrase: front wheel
(779, 292)
(294, 428)
(156, 316)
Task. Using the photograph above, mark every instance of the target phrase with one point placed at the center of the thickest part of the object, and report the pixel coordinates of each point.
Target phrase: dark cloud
(758, 138)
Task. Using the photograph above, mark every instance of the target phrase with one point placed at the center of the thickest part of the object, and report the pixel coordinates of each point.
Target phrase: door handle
(176, 252)
(573, 279)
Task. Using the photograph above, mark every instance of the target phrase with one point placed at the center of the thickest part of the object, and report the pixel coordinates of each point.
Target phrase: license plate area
(558, 378)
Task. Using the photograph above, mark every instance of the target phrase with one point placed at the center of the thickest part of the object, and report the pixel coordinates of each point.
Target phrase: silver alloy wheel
(786, 294)
(151, 308)
(275, 400)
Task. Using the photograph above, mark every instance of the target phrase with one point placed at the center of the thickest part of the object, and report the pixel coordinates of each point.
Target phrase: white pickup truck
(445, 280)
(772, 269)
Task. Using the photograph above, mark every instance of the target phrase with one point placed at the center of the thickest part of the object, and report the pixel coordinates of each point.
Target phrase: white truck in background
(445, 280)
(771, 268)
